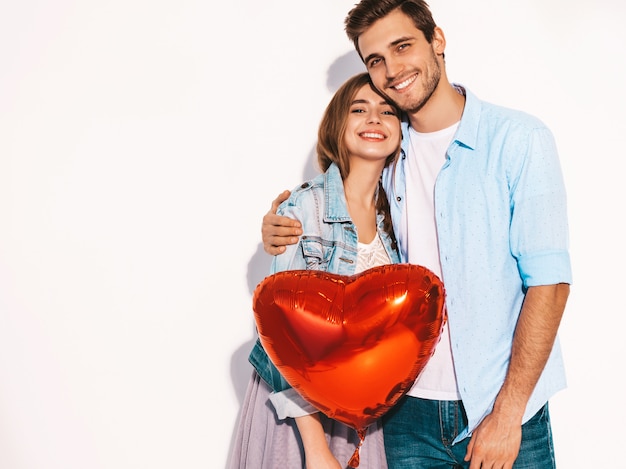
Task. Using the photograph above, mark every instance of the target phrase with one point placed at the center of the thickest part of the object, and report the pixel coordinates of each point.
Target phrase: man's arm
(496, 441)
(279, 231)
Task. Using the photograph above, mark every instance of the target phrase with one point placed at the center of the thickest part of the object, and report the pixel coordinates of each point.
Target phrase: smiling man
(477, 197)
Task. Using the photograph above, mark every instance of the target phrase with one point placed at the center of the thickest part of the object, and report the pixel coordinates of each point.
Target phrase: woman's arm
(317, 454)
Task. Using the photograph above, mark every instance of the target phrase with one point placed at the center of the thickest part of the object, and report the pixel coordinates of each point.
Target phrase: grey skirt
(264, 442)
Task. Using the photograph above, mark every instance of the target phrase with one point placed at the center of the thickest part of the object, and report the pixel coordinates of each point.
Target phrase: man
(478, 198)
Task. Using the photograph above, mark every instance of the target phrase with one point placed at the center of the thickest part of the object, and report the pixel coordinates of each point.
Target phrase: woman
(346, 229)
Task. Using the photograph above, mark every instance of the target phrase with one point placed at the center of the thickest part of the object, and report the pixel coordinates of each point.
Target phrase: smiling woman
(346, 229)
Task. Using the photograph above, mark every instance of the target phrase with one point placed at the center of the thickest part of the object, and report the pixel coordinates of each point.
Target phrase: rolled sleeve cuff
(547, 268)
(289, 403)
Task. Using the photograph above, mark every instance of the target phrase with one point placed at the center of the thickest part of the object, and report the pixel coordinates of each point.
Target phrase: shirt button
(304, 186)
(398, 198)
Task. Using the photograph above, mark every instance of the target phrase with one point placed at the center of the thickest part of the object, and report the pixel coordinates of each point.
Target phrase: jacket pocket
(316, 254)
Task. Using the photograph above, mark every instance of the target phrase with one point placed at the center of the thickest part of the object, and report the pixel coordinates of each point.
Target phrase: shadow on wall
(240, 368)
(344, 67)
(340, 70)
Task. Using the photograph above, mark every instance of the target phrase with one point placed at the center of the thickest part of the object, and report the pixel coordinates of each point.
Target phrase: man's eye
(374, 62)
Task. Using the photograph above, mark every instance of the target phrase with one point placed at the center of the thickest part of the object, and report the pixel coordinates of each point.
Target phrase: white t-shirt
(427, 154)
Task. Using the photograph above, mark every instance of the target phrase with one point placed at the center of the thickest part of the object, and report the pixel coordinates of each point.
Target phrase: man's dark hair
(367, 12)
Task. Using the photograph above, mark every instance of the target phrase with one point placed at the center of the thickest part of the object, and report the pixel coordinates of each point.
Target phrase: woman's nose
(373, 118)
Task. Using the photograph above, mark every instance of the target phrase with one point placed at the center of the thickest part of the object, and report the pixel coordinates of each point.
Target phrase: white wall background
(141, 142)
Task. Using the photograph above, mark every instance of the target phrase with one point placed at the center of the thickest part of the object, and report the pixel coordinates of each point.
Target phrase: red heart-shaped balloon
(351, 345)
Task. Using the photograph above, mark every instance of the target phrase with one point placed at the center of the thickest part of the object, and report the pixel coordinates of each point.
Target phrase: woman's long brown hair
(331, 146)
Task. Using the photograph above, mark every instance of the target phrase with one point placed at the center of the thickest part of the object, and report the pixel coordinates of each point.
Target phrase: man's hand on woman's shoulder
(278, 231)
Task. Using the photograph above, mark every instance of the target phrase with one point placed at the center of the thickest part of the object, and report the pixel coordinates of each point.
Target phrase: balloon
(351, 345)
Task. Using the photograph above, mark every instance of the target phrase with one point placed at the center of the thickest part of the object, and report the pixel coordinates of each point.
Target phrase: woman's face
(372, 127)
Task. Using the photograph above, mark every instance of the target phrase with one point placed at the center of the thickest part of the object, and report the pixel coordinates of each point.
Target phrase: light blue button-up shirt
(501, 217)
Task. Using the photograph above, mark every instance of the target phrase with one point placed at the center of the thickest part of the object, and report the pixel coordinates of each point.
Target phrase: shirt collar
(467, 133)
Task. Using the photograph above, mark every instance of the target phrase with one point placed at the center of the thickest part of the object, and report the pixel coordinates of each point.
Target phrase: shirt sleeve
(289, 403)
(539, 226)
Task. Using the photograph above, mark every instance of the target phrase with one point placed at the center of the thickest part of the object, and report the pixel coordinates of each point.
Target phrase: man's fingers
(470, 448)
(278, 231)
(284, 195)
(278, 225)
(274, 250)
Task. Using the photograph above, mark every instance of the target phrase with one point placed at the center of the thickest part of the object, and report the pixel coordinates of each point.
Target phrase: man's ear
(439, 41)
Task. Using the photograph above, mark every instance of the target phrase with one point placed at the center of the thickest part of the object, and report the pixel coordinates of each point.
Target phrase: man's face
(401, 63)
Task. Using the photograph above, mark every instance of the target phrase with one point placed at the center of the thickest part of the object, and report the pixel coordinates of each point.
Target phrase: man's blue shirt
(501, 217)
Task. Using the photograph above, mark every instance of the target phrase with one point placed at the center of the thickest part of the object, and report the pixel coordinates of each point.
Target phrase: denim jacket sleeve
(289, 260)
(266, 369)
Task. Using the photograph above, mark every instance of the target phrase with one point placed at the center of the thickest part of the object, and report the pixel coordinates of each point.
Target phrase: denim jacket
(328, 243)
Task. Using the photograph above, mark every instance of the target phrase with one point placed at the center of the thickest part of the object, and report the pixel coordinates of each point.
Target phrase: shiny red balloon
(351, 345)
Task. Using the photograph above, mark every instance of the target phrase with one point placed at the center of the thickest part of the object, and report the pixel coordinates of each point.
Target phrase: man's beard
(430, 86)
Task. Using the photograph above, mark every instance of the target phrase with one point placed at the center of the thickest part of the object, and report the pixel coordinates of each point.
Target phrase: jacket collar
(336, 208)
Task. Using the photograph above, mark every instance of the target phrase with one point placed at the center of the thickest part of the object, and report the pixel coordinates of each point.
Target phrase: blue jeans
(419, 434)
